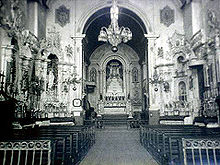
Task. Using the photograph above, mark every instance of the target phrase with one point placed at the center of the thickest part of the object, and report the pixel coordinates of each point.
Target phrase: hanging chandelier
(115, 34)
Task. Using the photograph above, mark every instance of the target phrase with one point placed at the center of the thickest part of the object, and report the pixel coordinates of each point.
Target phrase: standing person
(217, 100)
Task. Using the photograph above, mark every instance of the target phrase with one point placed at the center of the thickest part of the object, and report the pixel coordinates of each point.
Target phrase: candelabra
(115, 34)
(158, 80)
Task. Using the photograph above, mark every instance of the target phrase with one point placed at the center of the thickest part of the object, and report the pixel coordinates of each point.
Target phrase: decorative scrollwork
(26, 145)
(201, 143)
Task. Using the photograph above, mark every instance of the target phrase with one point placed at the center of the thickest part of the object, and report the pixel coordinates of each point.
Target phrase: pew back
(165, 142)
(68, 144)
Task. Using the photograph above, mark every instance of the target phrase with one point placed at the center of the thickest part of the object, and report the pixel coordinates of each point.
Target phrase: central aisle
(117, 146)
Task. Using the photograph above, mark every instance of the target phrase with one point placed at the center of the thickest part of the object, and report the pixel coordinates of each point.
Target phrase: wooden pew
(165, 143)
(69, 144)
(78, 139)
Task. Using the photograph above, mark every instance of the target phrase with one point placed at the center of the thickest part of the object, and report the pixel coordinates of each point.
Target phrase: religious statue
(212, 20)
(50, 79)
(217, 38)
(166, 86)
(93, 75)
(114, 78)
(114, 14)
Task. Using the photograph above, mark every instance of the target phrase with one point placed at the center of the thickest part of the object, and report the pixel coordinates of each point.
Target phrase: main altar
(117, 80)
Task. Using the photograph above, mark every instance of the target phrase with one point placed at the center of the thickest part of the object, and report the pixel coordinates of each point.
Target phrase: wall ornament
(62, 16)
(167, 16)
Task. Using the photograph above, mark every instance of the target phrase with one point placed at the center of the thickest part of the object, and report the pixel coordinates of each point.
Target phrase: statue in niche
(114, 14)
(212, 21)
(52, 72)
(25, 82)
(114, 76)
(93, 75)
(50, 79)
(166, 86)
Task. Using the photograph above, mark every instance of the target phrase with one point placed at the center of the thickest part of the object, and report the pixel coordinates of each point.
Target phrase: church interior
(110, 82)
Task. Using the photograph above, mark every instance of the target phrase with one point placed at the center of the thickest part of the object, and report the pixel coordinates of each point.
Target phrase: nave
(118, 146)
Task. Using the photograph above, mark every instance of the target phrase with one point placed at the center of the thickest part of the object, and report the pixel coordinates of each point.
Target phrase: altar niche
(114, 77)
(115, 101)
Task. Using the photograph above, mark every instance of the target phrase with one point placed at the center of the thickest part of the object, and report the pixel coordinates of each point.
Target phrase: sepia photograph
(109, 82)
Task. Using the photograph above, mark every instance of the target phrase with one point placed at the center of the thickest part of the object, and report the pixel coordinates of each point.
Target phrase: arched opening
(116, 77)
(182, 92)
(127, 18)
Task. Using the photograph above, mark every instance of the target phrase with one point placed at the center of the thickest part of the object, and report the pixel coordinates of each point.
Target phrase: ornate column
(103, 82)
(153, 99)
(99, 83)
(78, 53)
(126, 81)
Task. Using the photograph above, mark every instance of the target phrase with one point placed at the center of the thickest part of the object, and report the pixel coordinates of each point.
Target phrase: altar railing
(201, 151)
(26, 152)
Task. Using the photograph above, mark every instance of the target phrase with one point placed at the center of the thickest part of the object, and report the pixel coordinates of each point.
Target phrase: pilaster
(153, 104)
(218, 64)
(78, 94)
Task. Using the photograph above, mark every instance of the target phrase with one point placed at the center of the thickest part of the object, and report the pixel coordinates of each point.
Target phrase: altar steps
(115, 120)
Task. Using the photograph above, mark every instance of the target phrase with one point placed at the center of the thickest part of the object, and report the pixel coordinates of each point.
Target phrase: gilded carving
(178, 43)
(212, 21)
(160, 52)
(53, 38)
(69, 50)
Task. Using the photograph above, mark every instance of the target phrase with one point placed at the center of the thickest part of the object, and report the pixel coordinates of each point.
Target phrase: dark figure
(217, 100)
(86, 106)
(93, 113)
(7, 114)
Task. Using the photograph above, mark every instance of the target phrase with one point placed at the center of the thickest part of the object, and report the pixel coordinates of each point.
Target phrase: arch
(104, 51)
(96, 7)
(109, 58)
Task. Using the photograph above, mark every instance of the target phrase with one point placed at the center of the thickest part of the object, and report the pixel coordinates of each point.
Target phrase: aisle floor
(118, 146)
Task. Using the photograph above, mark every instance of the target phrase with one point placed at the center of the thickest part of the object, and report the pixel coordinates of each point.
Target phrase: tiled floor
(118, 146)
